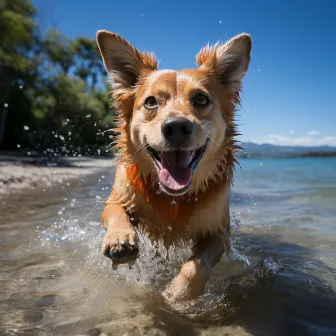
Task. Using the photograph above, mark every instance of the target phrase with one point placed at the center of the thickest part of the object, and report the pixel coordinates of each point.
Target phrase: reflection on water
(281, 279)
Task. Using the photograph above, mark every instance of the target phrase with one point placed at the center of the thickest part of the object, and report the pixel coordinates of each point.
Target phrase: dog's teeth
(192, 154)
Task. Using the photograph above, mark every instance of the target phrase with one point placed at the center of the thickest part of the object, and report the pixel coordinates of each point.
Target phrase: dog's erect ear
(123, 62)
(229, 60)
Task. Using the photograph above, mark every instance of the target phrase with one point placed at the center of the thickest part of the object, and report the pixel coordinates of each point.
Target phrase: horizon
(303, 146)
(287, 95)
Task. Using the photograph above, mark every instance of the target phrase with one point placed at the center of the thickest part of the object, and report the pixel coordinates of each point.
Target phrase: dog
(176, 145)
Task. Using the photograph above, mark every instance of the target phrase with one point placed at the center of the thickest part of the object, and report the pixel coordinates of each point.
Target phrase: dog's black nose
(177, 130)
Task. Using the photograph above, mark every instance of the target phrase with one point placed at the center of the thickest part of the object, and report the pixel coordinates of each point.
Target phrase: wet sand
(23, 174)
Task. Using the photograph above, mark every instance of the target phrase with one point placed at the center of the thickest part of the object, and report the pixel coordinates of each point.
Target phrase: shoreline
(19, 174)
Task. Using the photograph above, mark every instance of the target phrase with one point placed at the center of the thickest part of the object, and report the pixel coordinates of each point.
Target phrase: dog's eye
(200, 100)
(151, 102)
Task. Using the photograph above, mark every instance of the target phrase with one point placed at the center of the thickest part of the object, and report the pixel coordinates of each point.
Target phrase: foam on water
(152, 270)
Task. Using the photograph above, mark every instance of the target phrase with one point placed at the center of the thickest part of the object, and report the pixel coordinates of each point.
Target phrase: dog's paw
(176, 293)
(121, 247)
(183, 289)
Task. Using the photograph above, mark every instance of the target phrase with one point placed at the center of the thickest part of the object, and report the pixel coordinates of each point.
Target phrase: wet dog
(176, 153)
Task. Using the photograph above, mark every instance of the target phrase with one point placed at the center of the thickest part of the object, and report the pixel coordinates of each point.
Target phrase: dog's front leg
(191, 280)
(120, 241)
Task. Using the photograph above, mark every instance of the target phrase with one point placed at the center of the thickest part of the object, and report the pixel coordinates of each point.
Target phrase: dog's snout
(177, 130)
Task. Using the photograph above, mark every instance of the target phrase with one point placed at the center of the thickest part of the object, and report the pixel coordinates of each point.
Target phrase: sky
(289, 95)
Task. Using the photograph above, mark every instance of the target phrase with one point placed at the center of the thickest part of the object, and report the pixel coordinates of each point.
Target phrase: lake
(281, 279)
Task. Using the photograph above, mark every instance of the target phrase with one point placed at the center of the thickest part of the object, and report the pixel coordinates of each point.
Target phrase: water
(281, 281)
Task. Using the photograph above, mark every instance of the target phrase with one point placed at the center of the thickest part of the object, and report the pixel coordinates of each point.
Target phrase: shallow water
(281, 281)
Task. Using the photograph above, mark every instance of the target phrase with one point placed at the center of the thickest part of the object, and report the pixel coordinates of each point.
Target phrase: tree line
(53, 92)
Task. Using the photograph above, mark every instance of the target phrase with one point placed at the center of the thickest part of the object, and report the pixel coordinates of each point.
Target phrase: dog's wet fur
(176, 154)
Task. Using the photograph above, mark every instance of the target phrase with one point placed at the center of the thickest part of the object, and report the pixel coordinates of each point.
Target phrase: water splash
(152, 270)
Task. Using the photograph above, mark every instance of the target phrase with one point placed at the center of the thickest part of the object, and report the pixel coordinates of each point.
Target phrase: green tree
(57, 98)
(18, 35)
(89, 66)
(60, 49)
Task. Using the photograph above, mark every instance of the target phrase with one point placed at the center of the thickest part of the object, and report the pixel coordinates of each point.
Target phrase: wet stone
(47, 300)
(94, 332)
(33, 316)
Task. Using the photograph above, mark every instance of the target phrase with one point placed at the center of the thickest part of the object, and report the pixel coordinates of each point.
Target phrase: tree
(88, 62)
(55, 87)
(18, 34)
(60, 49)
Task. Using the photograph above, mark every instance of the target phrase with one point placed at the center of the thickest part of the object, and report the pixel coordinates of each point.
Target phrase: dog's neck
(177, 207)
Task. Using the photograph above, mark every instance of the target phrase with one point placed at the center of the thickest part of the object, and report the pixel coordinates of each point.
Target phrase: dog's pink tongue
(175, 173)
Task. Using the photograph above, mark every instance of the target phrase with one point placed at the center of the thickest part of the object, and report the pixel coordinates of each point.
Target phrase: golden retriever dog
(176, 154)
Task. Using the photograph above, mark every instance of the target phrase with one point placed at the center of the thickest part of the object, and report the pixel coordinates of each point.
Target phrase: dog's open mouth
(176, 167)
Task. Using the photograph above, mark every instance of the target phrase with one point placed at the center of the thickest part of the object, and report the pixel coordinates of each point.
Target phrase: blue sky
(290, 91)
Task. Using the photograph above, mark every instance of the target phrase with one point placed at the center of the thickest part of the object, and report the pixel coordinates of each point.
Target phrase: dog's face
(178, 121)
(179, 118)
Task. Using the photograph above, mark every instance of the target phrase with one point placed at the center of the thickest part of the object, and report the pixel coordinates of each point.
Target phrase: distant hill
(268, 150)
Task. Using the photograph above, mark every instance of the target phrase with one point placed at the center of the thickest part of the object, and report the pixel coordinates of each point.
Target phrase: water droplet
(21, 87)
(220, 22)
(6, 105)
(173, 202)
(18, 145)
(28, 153)
(132, 219)
(26, 128)
(88, 116)
(62, 137)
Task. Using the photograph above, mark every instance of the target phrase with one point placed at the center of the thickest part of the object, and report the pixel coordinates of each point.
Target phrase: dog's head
(176, 125)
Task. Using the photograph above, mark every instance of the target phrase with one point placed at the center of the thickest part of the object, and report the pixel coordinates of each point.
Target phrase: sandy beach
(20, 173)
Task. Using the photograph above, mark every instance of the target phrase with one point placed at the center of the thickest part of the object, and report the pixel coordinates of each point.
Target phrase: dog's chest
(162, 215)
(179, 220)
